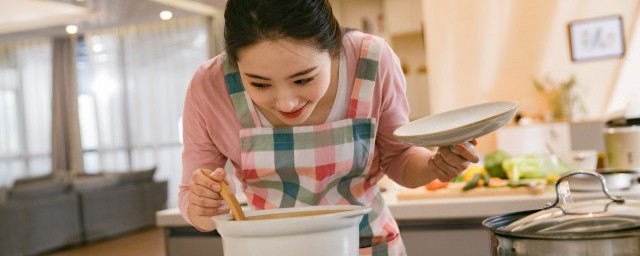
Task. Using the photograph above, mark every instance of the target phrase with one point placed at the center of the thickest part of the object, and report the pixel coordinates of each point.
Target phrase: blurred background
(92, 91)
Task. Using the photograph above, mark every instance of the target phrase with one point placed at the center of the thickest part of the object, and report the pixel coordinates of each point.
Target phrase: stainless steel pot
(595, 227)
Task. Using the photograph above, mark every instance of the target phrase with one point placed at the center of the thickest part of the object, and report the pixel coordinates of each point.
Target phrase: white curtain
(25, 110)
(131, 95)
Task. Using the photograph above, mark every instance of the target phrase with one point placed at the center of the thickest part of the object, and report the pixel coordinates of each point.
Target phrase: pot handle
(616, 199)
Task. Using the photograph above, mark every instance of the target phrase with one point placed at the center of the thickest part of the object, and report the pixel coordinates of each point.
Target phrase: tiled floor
(146, 242)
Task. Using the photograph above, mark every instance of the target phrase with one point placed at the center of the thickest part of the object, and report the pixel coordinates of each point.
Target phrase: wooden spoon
(229, 198)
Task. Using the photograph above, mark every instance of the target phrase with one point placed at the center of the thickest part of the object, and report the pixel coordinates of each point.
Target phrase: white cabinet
(534, 138)
(559, 136)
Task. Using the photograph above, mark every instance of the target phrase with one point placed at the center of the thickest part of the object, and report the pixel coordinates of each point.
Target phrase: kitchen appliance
(622, 143)
(595, 227)
(317, 235)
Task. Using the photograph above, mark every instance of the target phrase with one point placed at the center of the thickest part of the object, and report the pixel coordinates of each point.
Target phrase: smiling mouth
(294, 114)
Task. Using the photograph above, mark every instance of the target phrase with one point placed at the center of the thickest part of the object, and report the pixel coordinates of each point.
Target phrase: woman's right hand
(204, 192)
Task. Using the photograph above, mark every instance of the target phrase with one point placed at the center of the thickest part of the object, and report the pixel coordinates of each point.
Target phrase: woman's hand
(447, 165)
(204, 193)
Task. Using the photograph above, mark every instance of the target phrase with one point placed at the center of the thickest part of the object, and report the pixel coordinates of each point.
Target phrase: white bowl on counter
(317, 235)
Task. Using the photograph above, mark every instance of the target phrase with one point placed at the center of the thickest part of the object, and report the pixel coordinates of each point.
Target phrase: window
(132, 84)
(25, 110)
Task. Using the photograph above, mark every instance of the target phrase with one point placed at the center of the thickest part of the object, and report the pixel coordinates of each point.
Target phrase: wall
(351, 13)
(480, 51)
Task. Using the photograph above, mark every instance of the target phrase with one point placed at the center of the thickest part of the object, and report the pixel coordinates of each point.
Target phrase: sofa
(39, 216)
(42, 214)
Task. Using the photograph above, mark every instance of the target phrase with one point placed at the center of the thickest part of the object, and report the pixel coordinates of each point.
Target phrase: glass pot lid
(605, 215)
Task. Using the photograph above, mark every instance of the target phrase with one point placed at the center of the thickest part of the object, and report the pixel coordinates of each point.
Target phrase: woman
(305, 112)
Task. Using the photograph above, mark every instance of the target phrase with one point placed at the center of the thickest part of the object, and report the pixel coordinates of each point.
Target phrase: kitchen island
(445, 226)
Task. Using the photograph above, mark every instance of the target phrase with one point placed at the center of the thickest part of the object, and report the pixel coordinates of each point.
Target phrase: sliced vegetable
(468, 174)
(473, 182)
(497, 182)
(436, 184)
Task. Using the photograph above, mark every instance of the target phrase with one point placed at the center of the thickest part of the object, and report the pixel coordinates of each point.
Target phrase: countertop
(449, 208)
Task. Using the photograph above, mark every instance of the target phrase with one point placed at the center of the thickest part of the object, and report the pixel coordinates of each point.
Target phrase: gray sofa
(44, 214)
(39, 216)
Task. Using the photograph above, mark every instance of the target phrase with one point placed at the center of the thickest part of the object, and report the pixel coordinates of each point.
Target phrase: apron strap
(244, 108)
(362, 95)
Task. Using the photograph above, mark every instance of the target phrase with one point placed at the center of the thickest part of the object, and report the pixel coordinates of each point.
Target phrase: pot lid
(605, 215)
(623, 121)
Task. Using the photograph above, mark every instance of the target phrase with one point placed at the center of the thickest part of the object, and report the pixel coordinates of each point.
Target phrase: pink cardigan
(211, 129)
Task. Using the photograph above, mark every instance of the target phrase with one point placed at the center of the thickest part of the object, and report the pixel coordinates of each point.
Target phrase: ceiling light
(166, 15)
(71, 29)
(97, 48)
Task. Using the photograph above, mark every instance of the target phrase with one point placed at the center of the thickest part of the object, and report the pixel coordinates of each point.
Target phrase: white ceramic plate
(457, 126)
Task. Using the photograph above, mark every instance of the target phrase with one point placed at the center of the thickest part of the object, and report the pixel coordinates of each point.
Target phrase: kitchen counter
(431, 224)
(482, 207)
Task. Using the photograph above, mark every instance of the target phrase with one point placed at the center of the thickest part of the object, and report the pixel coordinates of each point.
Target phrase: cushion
(93, 182)
(37, 189)
(137, 176)
(32, 179)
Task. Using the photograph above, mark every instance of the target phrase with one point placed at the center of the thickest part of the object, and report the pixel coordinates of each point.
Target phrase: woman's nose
(286, 102)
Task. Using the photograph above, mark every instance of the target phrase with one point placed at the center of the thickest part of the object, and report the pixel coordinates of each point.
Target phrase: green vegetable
(524, 167)
(473, 182)
(493, 163)
(485, 179)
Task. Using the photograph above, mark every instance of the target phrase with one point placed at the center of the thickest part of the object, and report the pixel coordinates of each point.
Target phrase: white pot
(332, 234)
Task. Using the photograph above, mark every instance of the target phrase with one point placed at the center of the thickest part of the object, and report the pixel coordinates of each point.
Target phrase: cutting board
(423, 193)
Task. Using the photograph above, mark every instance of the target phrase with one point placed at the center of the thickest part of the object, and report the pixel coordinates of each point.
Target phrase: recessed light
(71, 29)
(166, 15)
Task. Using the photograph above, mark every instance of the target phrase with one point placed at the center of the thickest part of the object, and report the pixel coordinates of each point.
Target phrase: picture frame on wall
(596, 38)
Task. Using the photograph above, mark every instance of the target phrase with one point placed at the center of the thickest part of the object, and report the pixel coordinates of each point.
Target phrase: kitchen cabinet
(540, 138)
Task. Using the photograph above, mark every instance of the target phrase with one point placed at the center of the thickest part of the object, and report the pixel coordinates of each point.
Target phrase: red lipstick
(295, 113)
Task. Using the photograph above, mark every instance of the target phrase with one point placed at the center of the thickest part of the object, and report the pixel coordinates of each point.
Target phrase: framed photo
(596, 38)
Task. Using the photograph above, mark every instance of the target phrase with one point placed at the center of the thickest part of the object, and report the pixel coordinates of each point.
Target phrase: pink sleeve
(394, 112)
(199, 148)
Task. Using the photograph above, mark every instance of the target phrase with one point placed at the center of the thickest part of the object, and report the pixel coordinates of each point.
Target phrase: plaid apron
(327, 164)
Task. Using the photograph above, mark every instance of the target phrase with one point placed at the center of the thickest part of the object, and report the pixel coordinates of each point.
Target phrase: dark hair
(248, 22)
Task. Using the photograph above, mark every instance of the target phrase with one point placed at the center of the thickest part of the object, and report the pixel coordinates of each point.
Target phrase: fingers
(220, 174)
(467, 153)
(204, 192)
(204, 211)
(205, 202)
(203, 178)
(445, 171)
(456, 161)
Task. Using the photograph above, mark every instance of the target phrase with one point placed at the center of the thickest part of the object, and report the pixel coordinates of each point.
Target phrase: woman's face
(285, 78)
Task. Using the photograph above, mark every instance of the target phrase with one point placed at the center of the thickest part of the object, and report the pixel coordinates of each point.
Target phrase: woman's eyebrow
(303, 72)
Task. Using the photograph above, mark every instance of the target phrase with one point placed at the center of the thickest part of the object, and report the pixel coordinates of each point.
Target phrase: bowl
(333, 233)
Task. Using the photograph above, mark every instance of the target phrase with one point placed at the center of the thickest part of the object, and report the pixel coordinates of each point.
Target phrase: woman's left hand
(447, 165)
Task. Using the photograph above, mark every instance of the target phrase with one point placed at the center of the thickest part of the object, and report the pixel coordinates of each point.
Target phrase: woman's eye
(303, 81)
(259, 85)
